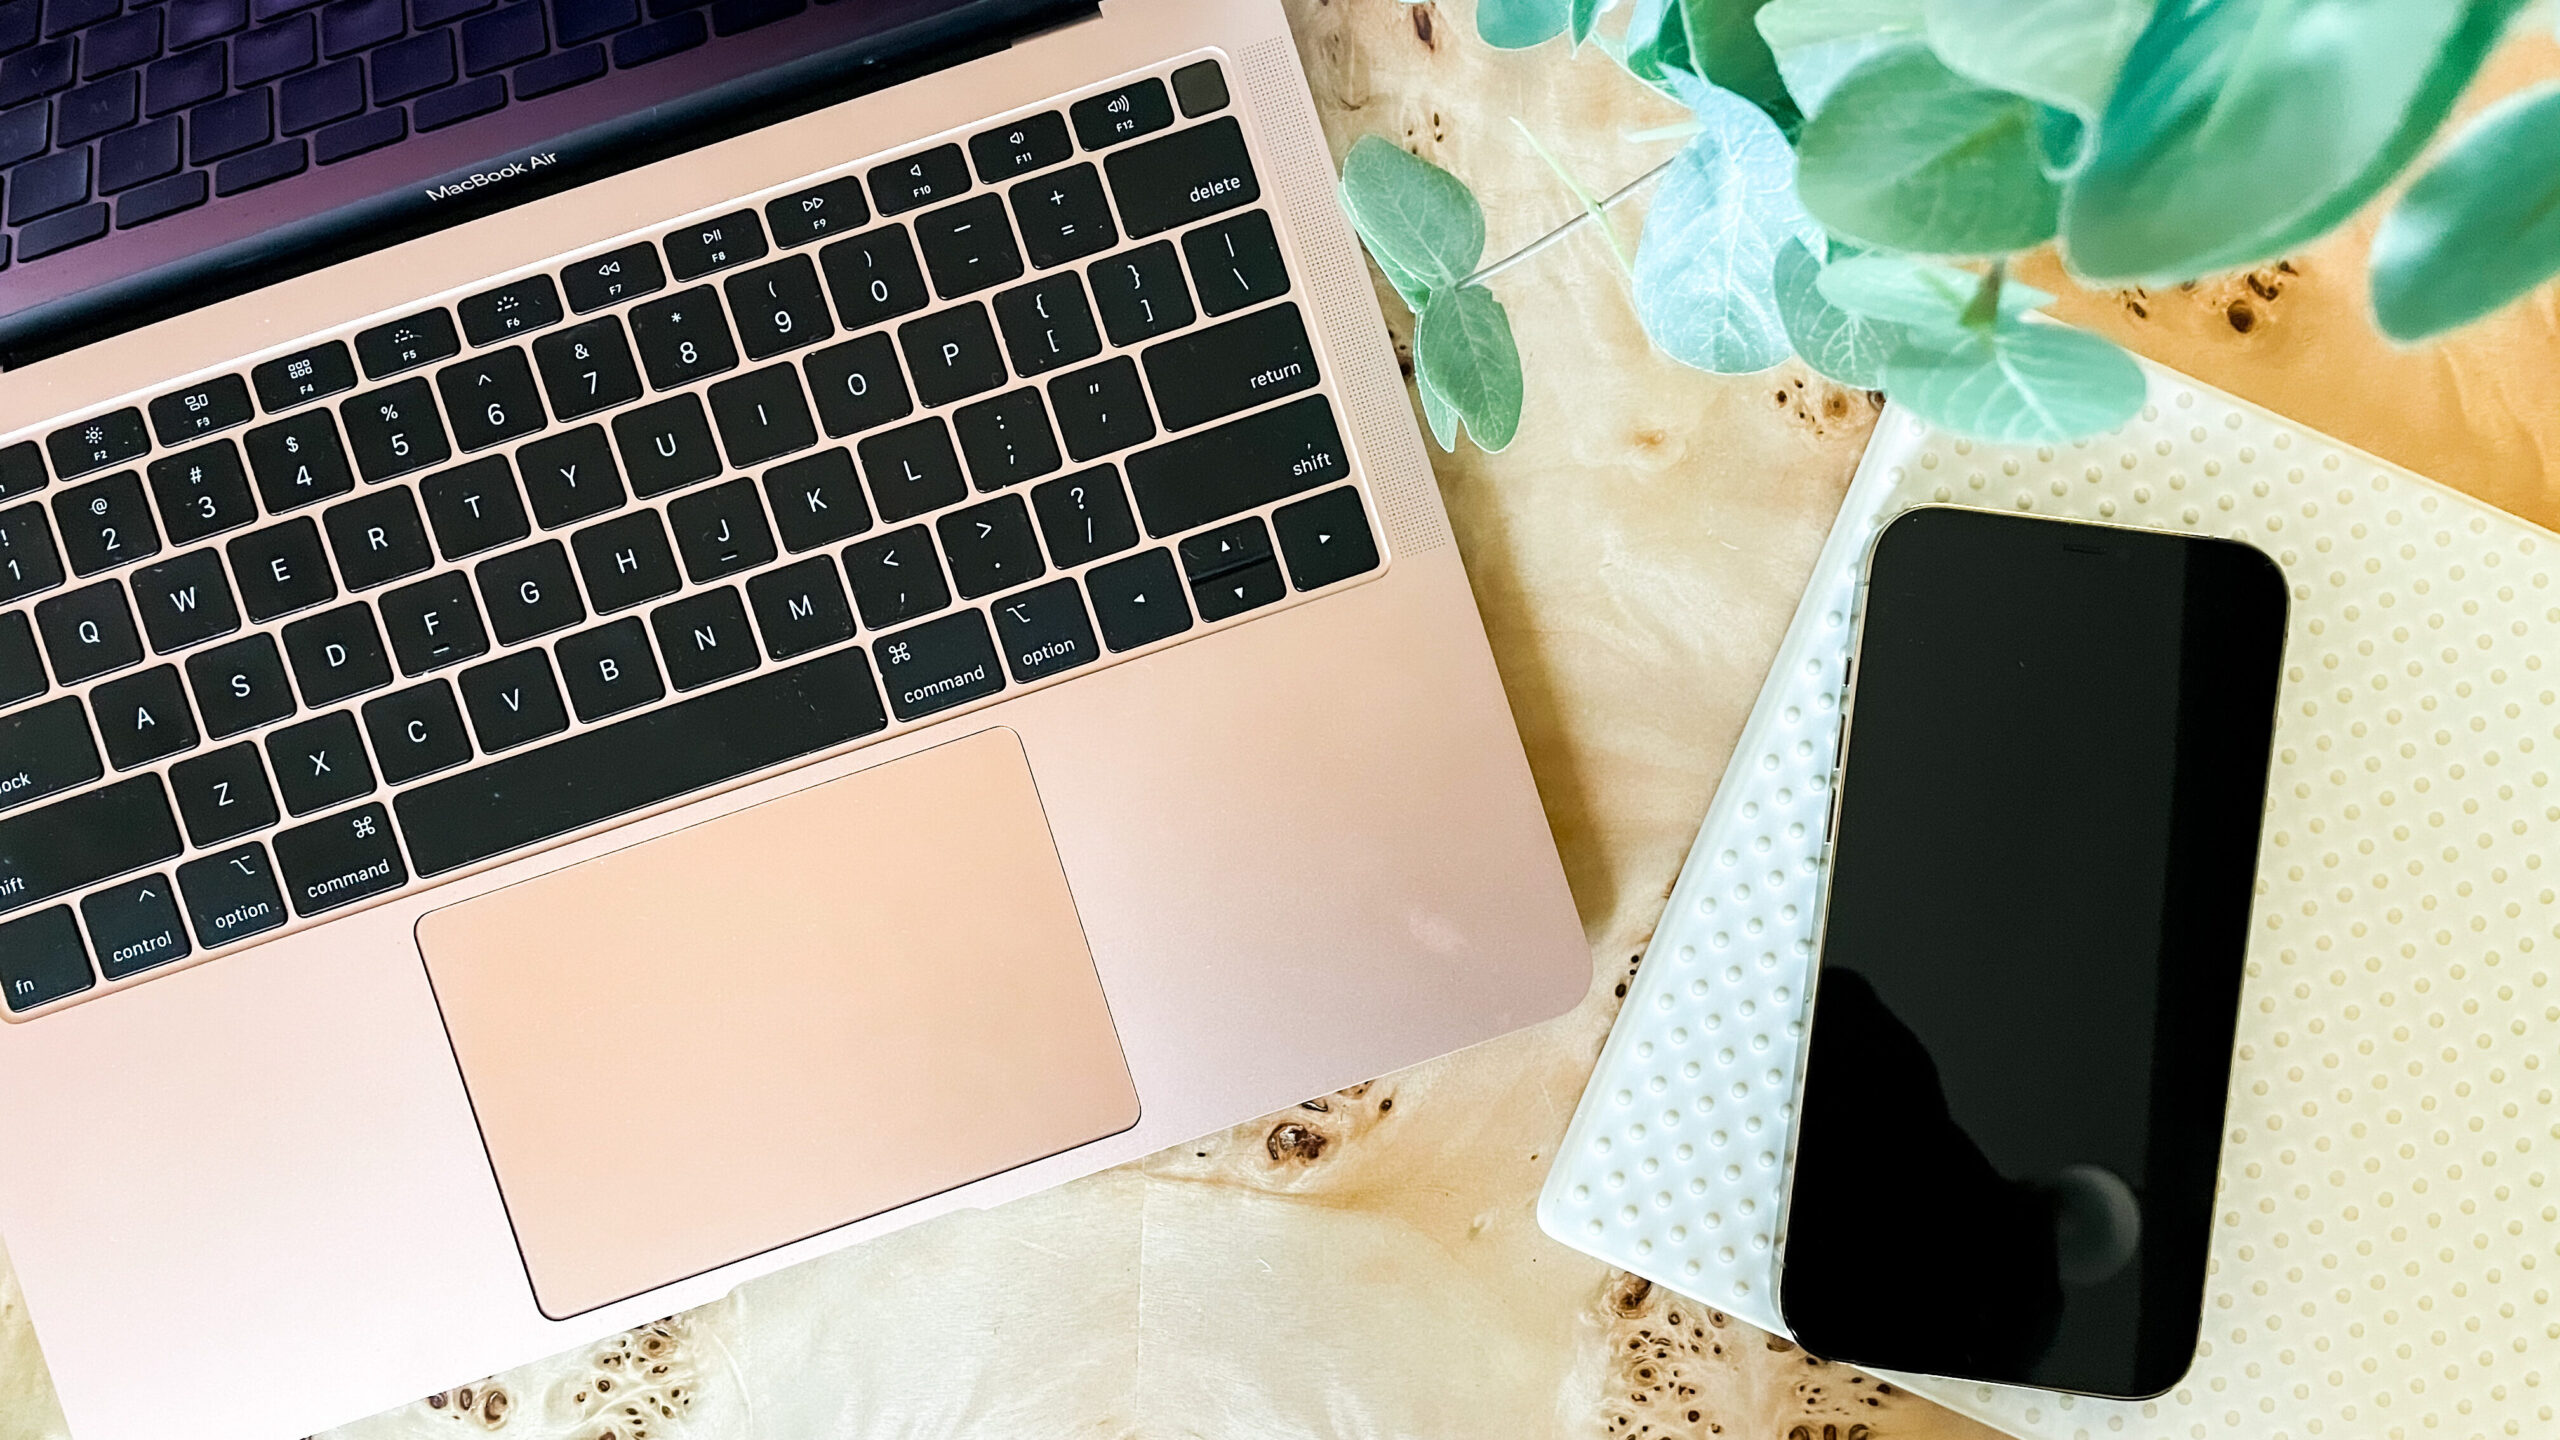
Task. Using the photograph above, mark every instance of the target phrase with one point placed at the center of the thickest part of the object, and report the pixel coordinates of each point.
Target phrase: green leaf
(1918, 294)
(1728, 51)
(1463, 350)
(1704, 278)
(1658, 42)
(1420, 222)
(2017, 382)
(1906, 154)
(2239, 131)
(1818, 42)
(2479, 229)
(1585, 16)
(1850, 349)
(2062, 52)
(1436, 413)
(1520, 24)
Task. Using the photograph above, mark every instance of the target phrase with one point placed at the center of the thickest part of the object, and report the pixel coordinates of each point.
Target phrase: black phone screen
(2046, 838)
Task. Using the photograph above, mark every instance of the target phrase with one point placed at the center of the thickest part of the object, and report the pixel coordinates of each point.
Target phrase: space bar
(618, 768)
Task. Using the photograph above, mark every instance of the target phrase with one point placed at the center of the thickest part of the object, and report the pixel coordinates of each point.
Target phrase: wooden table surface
(1368, 1265)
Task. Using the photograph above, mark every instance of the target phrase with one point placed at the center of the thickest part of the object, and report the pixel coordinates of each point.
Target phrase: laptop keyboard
(667, 515)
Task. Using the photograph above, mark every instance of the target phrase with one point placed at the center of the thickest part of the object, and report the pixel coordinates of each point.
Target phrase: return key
(1230, 367)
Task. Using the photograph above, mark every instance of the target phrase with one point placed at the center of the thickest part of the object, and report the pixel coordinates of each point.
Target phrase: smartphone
(2043, 845)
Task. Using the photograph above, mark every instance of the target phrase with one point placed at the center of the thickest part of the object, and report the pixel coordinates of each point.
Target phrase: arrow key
(1325, 538)
(135, 926)
(1237, 591)
(1138, 600)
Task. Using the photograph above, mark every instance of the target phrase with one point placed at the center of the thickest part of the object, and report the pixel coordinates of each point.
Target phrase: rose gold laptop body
(492, 1117)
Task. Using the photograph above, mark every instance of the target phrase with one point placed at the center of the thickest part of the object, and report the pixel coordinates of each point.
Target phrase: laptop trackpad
(773, 1023)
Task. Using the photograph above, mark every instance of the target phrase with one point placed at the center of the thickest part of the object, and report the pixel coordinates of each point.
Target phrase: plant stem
(1551, 237)
(1590, 202)
(1984, 311)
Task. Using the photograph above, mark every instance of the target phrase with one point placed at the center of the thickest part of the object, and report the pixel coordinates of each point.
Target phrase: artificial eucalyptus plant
(1859, 173)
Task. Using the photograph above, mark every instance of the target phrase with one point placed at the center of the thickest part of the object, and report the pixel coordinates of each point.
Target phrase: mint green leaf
(1817, 42)
(1704, 274)
(1916, 293)
(1520, 24)
(2018, 382)
(1585, 16)
(1813, 71)
(2479, 229)
(2239, 131)
(1420, 222)
(1850, 349)
(1463, 350)
(1436, 413)
(2062, 52)
(1658, 42)
(1905, 154)
(1729, 53)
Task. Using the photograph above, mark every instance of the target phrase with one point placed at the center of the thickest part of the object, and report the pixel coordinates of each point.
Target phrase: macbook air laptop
(641, 639)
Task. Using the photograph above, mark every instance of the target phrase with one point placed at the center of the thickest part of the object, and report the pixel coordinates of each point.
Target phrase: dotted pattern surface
(2389, 1237)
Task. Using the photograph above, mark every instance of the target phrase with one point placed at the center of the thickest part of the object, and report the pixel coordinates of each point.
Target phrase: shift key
(45, 750)
(1185, 176)
(76, 843)
(1228, 469)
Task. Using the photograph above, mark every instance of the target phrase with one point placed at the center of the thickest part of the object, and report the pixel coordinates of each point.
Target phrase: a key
(22, 674)
(1236, 263)
(332, 863)
(529, 592)
(1211, 474)
(1230, 366)
(476, 506)
(144, 717)
(204, 491)
(587, 368)
(135, 926)
(335, 654)
(1063, 216)
(304, 376)
(185, 600)
(1138, 601)
(952, 354)
(223, 794)
(1133, 110)
(1047, 324)
(625, 561)
(896, 577)
(421, 339)
(609, 669)
(527, 305)
(231, 895)
(800, 608)
(939, 664)
(513, 700)
(666, 446)
(299, 462)
(45, 750)
(22, 470)
(912, 470)
(858, 385)
(817, 500)
(42, 959)
(377, 538)
(918, 180)
(434, 623)
(28, 562)
(105, 523)
(968, 246)
(96, 444)
(594, 776)
(625, 274)
(1201, 87)
(1043, 631)
(1029, 144)
(732, 239)
(1084, 516)
(1185, 176)
(1325, 538)
(704, 638)
(201, 409)
(683, 337)
(490, 398)
(416, 731)
(779, 306)
(281, 569)
(721, 531)
(319, 763)
(819, 211)
(1006, 439)
(1140, 293)
(873, 276)
(395, 430)
(75, 843)
(762, 415)
(240, 685)
(990, 546)
(88, 632)
(1101, 408)
(570, 477)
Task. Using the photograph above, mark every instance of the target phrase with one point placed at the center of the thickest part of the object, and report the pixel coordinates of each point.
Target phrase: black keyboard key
(142, 718)
(39, 71)
(1101, 408)
(990, 546)
(22, 470)
(1238, 590)
(88, 632)
(1325, 538)
(413, 67)
(858, 385)
(817, 500)
(732, 239)
(335, 654)
(1141, 294)
(28, 562)
(513, 700)
(704, 638)
(666, 446)
(576, 22)
(203, 491)
(61, 17)
(968, 246)
(111, 439)
(721, 531)
(529, 592)
(426, 13)
(231, 896)
(896, 577)
(320, 763)
(625, 561)
(22, 674)
(360, 136)
(912, 470)
(417, 731)
(1044, 631)
(23, 132)
(817, 212)
(1236, 263)
(503, 37)
(939, 664)
(570, 476)
(352, 25)
(56, 233)
(587, 368)
(1063, 216)
(475, 507)
(1231, 366)
(231, 125)
(952, 354)
(136, 926)
(800, 608)
(239, 686)
(1136, 109)
(75, 843)
(625, 274)
(490, 398)
(421, 339)
(224, 794)
(610, 669)
(919, 180)
(1006, 439)
(42, 959)
(528, 304)
(395, 430)
(1138, 601)
(303, 376)
(1201, 89)
(873, 276)
(1084, 516)
(260, 167)
(1047, 324)
(105, 523)
(1238, 466)
(192, 22)
(329, 864)
(93, 110)
(320, 97)
(41, 187)
(281, 569)
(560, 71)
(683, 337)
(1019, 148)
(633, 48)
(192, 77)
(378, 538)
(762, 415)
(45, 750)
(731, 17)
(434, 623)
(199, 410)
(185, 600)
(1185, 176)
(299, 461)
(132, 157)
(779, 307)
(273, 50)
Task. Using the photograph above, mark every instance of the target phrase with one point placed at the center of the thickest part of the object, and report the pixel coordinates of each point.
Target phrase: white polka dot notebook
(2389, 1237)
